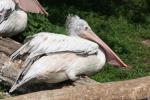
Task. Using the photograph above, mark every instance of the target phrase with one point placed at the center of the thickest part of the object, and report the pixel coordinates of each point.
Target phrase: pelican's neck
(73, 34)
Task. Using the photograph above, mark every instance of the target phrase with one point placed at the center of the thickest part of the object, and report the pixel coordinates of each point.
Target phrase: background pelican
(55, 58)
(13, 19)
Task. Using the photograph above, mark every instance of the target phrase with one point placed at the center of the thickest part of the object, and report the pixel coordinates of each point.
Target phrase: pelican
(13, 18)
(55, 58)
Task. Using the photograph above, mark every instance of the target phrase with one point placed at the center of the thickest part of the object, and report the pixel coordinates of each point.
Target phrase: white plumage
(7, 4)
(12, 19)
(55, 68)
(46, 43)
(55, 58)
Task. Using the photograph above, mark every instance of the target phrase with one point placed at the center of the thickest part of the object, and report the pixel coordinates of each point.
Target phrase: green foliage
(125, 39)
(133, 10)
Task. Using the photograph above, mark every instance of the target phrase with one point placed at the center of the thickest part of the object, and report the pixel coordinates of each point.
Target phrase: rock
(136, 89)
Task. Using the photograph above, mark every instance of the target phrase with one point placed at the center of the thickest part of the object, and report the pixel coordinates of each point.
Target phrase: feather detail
(6, 8)
(48, 43)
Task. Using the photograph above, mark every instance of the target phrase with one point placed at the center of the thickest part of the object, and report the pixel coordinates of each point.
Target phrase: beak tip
(122, 65)
(125, 65)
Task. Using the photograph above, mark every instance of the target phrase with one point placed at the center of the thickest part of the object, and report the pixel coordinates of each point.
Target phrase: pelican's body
(15, 24)
(56, 68)
(13, 19)
(55, 58)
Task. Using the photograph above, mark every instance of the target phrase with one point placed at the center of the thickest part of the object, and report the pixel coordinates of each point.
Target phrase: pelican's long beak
(111, 57)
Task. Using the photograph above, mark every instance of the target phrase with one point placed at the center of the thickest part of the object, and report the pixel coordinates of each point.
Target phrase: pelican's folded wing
(47, 43)
(6, 8)
(31, 6)
(44, 68)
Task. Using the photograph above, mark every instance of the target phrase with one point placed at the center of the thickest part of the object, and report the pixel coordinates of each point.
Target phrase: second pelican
(13, 18)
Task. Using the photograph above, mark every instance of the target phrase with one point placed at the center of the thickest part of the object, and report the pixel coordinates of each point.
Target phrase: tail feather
(14, 87)
(18, 84)
(22, 50)
(21, 77)
(27, 65)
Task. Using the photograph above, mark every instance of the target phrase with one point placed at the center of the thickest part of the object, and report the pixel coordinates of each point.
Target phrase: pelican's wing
(31, 6)
(47, 43)
(6, 8)
(44, 68)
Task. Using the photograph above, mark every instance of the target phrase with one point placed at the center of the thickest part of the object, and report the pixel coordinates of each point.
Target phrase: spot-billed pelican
(13, 19)
(55, 58)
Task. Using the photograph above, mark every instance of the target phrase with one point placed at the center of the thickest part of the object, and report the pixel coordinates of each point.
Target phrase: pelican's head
(79, 27)
(75, 25)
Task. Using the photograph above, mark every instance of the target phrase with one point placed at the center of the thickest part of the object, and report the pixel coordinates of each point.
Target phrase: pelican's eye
(86, 28)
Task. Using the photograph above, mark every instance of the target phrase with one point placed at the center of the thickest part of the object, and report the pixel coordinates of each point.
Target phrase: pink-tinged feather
(31, 6)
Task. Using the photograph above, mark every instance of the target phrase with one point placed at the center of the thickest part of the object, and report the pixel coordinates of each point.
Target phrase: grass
(123, 36)
(126, 40)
